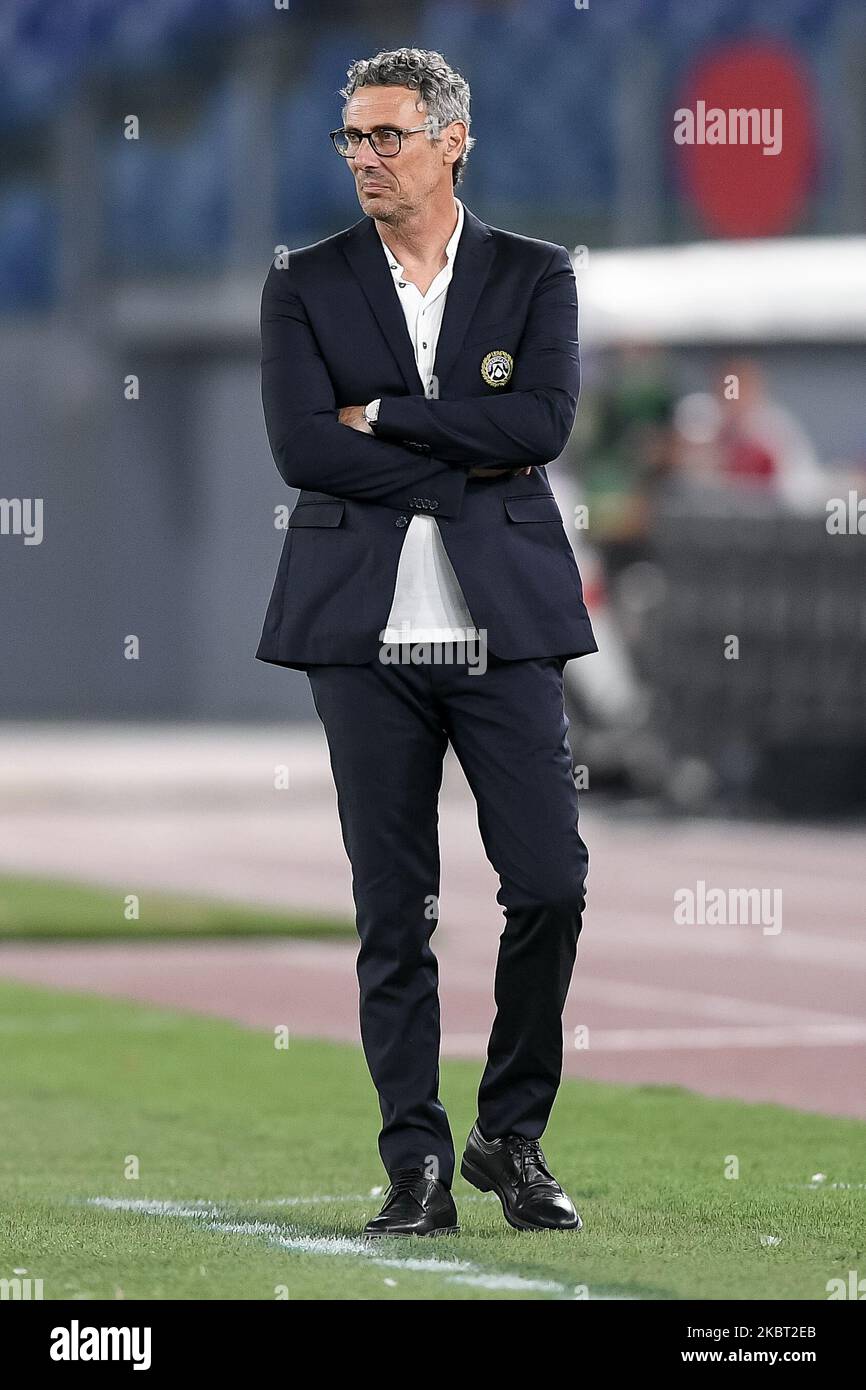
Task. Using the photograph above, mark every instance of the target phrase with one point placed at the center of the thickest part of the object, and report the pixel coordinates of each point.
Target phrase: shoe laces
(404, 1180)
(528, 1154)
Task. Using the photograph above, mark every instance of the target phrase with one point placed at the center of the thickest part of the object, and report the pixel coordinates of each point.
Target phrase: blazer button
(401, 521)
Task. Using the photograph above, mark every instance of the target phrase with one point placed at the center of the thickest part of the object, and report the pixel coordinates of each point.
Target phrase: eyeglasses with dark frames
(385, 140)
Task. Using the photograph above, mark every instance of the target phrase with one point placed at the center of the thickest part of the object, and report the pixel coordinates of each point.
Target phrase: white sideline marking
(829, 1186)
(338, 1197)
(675, 1039)
(454, 1271)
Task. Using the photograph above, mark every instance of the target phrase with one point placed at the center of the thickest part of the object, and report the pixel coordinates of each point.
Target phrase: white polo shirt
(428, 604)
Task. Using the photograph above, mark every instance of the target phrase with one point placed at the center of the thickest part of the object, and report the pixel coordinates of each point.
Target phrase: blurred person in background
(763, 445)
(739, 438)
(424, 511)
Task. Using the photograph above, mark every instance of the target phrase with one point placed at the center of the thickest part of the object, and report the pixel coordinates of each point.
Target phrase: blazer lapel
(475, 252)
(363, 250)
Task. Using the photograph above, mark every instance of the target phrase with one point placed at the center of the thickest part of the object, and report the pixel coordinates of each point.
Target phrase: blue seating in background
(168, 204)
(545, 82)
(314, 187)
(28, 238)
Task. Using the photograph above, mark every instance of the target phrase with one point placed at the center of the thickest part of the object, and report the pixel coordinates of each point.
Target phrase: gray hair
(443, 90)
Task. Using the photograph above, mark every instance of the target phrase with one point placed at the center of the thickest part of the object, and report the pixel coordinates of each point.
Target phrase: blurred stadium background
(146, 256)
(707, 515)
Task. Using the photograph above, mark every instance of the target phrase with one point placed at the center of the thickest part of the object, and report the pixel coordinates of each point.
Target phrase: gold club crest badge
(497, 366)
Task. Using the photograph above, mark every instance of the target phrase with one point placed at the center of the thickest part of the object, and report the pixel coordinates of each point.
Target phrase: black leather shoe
(516, 1170)
(415, 1205)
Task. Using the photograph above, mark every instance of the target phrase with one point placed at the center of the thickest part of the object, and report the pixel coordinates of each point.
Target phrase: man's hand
(353, 416)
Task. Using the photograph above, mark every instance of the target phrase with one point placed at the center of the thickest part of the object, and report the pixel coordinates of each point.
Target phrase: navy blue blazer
(333, 334)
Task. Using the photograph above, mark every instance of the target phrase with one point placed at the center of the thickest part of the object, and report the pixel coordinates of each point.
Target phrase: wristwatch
(371, 413)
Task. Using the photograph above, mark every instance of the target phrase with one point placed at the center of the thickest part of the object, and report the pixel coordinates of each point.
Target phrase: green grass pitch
(50, 909)
(265, 1161)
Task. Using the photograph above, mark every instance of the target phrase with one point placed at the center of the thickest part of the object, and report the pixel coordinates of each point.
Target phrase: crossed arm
(311, 448)
(354, 417)
(529, 424)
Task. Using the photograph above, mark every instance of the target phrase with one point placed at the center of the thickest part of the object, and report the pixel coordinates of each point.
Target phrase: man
(418, 372)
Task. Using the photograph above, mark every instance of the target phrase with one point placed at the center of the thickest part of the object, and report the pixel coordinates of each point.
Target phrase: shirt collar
(450, 245)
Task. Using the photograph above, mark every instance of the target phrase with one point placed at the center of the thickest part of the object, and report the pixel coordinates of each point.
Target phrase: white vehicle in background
(794, 302)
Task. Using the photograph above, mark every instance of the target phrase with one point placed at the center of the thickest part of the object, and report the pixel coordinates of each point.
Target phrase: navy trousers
(388, 728)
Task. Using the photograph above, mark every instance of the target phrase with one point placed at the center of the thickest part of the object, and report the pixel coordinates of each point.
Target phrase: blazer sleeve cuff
(397, 418)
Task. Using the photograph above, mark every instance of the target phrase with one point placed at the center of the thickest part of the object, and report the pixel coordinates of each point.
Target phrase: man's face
(390, 186)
